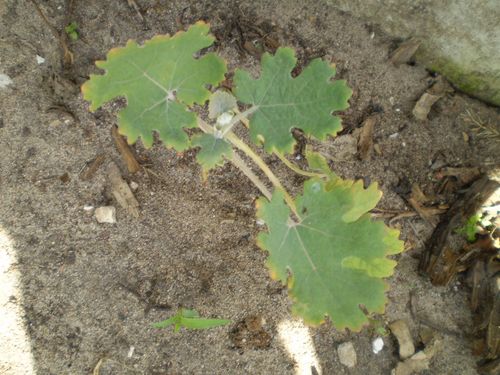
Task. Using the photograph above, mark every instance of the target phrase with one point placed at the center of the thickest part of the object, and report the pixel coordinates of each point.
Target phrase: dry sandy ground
(90, 291)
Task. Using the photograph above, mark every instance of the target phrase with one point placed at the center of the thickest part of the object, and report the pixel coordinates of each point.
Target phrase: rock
(347, 354)
(377, 345)
(414, 365)
(400, 329)
(5, 81)
(134, 185)
(454, 43)
(105, 214)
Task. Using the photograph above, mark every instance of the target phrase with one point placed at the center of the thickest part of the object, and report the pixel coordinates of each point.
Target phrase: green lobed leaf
(318, 163)
(190, 319)
(219, 103)
(333, 259)
(159, 79)
(213, 151)
(304, 102)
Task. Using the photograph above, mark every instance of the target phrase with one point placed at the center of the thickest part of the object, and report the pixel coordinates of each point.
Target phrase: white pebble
(377, 345)
(39, 59)
(134, 185)
(131, 352)
(88, 207)
(4, 81)
(105, 214)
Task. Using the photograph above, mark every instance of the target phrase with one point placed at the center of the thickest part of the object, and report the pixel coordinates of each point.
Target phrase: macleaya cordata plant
(322, 243)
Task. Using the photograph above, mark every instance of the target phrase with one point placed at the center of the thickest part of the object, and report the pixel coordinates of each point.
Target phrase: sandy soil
(90, 291)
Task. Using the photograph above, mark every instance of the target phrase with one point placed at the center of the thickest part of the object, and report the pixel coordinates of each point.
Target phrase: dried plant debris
(250, 334)
(404, 53)
(126, 152)
(423, 106)
(484, 129)
(444, 255)
(365, 142)
(90, 168)
(121, 191)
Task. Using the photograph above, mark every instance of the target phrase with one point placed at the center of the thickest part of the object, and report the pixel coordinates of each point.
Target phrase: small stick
(133, 165)
(68, 55)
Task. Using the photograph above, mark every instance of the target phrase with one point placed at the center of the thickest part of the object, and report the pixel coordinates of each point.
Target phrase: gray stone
(347, 354)
(460, 38)
(400, 329)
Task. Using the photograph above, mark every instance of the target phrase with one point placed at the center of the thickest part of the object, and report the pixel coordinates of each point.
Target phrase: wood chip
(424, 105)
(121, 191)
(127, 154)
(91, 168)
(405, 52)
(493, 332)
(365, 142)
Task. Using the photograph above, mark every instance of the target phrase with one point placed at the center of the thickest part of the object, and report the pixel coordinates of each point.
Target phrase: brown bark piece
(121, 191)
(493, 332)
(444, 246)
(365, 142)
(92, 167)
(127, 154)
(405, 52)
(465, 175)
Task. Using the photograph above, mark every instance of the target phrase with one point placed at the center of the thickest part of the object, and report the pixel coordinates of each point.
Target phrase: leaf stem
(295, 168)
(240, 117)
(243, 118)
(240, 163)
(242, 146)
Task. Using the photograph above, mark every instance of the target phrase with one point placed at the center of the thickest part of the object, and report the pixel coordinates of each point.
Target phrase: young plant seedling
(72, 31)
(322, 244)
(190, 319)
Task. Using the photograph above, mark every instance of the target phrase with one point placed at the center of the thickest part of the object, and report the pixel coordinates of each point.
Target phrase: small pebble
(377, 345)
(4, 81)
(105, 214)
(134, 185)
(131, 352)
(347, 354)
(39, 59)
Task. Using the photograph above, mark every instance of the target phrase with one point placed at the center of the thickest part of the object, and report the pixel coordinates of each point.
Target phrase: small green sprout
(72, 31)
(190, 319)
(469, 230)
